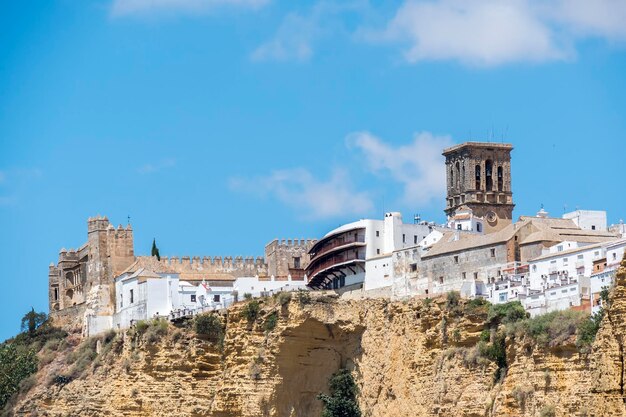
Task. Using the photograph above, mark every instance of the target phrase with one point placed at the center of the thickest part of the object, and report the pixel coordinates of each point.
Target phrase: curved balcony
(325, 267)
(338, 242)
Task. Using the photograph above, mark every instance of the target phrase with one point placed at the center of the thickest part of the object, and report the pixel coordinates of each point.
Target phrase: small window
(559, 248)
(464, 275)
(377, 233)
(479, 227)
(475, 275)
(193, 298)
(493, 253)
(565, 261)
(296, 262)
(132, 296)
(503, 297)
(581, 257)
(534, 268)
(377, 251)
(614, 257)
(593, 227)
(441, 280)
(216, 298)
(403, 238)
(415, 240)
(413, 267)
(459, 227)
(56, 290)
(456, 259)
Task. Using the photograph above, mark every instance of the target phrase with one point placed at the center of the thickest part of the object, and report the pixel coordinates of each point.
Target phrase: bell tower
(479, 179)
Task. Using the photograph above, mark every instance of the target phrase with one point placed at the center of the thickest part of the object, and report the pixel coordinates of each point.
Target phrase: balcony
(338, 241)
(317, 270)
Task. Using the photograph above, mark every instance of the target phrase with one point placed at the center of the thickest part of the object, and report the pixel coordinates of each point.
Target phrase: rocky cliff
(414, 358)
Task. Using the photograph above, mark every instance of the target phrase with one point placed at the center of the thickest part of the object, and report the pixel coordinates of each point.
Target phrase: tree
(342, 399)
(155, 250)
(32, 321)
(14, 367)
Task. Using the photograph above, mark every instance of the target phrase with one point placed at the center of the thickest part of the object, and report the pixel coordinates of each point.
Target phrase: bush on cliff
(211, 326)
(251, 311)
(342, 399)
(551, 329)
(15, 366)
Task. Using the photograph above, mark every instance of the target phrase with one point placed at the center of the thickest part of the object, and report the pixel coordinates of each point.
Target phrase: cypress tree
(155, 250)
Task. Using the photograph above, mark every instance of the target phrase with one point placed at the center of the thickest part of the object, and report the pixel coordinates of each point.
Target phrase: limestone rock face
(408, 359)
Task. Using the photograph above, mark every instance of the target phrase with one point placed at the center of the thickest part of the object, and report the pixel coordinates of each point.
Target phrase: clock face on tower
(492, 218)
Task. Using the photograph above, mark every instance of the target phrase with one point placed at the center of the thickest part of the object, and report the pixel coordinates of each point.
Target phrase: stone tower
(479, 179)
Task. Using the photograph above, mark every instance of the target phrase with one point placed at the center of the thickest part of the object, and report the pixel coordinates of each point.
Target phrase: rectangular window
(503, 297)
(456, 259)
(475, 275)
(296, 262)
(464, 275)
(614, 255)
(564, 291)
(377, 251)
(593, 228)
(193, 298)
(572, 289)
(459, 227)
(216, 298)
(441, 280)
(121, 300)
(377, 233)
(403, 238)
(56, 291)
(565, 261)
(559, 248)
(415, 240)
(581, 257)
(413, 267)
(493, 253)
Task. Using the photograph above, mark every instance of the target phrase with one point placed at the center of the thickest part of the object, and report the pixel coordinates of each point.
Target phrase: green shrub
(284, 298)
(15, 367)
(342, 399)
(156, 330)
(547, 411)
(271, 321)
(452, 299)
(247, 296)
(506, 313)
(251, 311)
(521, 394)
(587, 330)
(551, 329)
(141, 326)
(303, 297)
(210, 325)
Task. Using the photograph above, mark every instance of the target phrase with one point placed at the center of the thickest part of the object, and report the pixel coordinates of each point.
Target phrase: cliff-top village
(546, 263)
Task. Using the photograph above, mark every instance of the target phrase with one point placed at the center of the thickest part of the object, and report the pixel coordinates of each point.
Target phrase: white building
(260, 288)
(464, 219)
(588, 219)
(358, 254)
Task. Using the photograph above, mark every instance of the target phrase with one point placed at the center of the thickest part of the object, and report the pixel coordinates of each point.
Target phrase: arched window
(451, 176)
(69, 277)
(500, 179)
(458, 176)
(489, 175)
(478, 177)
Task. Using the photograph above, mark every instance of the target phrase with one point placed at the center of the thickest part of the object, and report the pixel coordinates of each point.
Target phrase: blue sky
(218, 125)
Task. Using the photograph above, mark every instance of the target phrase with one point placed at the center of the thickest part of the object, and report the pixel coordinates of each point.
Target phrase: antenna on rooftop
(416, 219)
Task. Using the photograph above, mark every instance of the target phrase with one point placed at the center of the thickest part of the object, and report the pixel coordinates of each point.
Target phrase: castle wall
(288, 257)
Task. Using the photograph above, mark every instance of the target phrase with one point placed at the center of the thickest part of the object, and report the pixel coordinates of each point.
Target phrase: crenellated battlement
(215, 261)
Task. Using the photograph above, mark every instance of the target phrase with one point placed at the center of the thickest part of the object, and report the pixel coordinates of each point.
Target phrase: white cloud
(418, 166)
(138, 7)
(311, 197)
(487, 33)
(158, 166)
(477, 32)
(297, 34)
(596, 18)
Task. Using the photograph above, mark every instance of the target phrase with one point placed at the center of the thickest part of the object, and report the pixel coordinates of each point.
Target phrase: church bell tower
(479, 179)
